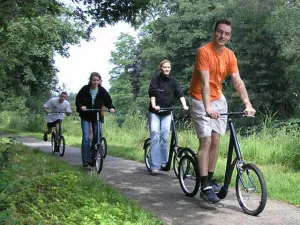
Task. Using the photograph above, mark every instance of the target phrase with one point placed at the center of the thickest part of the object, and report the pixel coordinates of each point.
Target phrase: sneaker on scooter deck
(216, 188)
(208, 195)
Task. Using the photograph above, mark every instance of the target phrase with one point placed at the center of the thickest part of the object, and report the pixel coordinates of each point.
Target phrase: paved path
(163, 196)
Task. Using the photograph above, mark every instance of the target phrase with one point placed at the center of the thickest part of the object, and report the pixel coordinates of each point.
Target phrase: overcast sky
(90, 57)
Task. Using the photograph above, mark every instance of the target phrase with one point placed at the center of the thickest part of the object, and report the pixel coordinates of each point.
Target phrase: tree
(286, 28)
(125, 76)
(265, 40)
(178, 36)
(102, 12)
(27, 44)
(31, 32)
(258, 56)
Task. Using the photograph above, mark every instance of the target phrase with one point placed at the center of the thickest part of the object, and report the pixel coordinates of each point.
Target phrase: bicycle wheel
(99, 158)
(176, 161)
(53, 145)
(103, 142)
(61, 146)
(147, 155)
(189, 178)
(251, 189)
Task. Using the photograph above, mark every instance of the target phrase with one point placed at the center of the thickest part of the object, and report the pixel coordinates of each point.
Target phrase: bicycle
(59, 145)
(100, 148)
(251, 189)
(174, 148)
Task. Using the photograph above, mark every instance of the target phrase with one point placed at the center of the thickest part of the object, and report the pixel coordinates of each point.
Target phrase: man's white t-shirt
(53, 105)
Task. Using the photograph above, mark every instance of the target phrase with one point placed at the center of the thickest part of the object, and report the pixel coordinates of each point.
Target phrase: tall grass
(126, 140)
(267, 147)
(21, 121)
(132, 131)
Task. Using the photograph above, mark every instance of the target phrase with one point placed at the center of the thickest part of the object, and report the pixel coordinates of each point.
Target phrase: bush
(5, 117)
(17, 123)
(71, 125)
(35, 123)
(14, 104)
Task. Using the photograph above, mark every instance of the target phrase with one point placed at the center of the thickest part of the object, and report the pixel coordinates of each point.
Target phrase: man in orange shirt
(212, 64)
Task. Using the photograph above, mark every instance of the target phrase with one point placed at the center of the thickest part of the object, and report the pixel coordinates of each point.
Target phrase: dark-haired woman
(91, 96)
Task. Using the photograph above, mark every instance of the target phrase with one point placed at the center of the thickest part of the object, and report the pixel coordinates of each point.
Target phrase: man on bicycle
(53, 106)
(213, 62)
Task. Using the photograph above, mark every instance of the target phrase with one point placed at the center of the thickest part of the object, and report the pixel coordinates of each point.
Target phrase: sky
(90, 57)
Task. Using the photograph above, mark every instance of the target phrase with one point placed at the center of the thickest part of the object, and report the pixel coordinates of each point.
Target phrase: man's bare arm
(240, 88)
(205, 89)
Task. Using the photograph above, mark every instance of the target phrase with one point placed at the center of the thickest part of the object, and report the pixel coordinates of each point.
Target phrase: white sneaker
(154, 171)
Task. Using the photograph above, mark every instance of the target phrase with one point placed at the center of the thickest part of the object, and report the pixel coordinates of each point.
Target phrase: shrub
(35, 123)
(5, 117)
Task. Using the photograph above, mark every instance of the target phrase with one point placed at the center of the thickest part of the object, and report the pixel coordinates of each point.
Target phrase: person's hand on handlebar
(157, 108)
(83, 108)
(213, 114)
(111, 110)
(250, 111)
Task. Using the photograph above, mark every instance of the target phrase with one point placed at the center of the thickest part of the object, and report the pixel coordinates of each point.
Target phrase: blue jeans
(86, 149)
(159, 135)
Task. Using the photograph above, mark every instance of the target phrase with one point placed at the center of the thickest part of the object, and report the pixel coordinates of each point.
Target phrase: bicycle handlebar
(96, 110)
(169, 108)
(229, 114)
(234, 114)
(58, 112)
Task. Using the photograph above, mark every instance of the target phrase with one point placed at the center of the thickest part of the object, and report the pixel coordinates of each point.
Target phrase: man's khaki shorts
(203, 124)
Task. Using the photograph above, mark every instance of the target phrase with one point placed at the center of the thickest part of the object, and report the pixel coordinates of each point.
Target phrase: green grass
(36, 188)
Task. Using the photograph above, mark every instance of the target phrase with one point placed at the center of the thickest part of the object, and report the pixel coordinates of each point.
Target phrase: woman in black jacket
(91, 96)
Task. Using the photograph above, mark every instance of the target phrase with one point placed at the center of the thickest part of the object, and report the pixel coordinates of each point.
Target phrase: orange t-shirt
(217, 64)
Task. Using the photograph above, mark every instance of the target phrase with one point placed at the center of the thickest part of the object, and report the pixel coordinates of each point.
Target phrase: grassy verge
(39, 189)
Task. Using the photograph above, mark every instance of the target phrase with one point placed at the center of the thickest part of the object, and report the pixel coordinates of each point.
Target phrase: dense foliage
(32, 32)
(265, 40)
(102, 12)
(265, 37)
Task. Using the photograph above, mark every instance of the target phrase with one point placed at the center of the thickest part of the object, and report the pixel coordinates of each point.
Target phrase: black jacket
(84, 98)
(164, 89)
